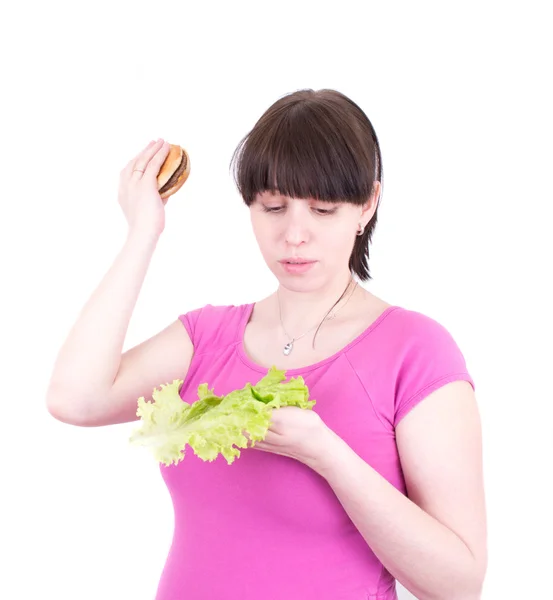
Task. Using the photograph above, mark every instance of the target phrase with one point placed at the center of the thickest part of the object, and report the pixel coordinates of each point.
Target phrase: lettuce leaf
(214, 425)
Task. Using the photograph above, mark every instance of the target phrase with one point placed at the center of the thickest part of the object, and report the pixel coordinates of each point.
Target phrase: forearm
(426, 557)
(89, 359)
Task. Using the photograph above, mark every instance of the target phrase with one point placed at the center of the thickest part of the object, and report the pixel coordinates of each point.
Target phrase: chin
(303, 282)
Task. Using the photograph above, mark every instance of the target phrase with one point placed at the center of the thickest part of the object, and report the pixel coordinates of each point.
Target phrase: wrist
(330, 453)
(143, 236)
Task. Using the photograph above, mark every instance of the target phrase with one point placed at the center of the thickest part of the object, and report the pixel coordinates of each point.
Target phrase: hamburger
(173, 172)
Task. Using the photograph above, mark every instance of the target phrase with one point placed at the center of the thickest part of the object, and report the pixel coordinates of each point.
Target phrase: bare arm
(90, 376)
(434, 540)
(93, 383)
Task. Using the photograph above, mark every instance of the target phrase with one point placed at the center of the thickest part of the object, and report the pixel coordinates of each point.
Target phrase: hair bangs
(304, 152)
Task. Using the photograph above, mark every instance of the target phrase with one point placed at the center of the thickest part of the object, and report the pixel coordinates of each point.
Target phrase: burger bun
(173, 172)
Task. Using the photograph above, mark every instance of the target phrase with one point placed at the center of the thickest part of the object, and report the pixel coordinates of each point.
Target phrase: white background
(460, 101)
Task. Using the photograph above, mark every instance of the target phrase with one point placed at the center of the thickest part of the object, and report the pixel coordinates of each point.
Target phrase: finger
(260, 448)
(248, 438)
(154, 165)
(271, 437)
(253, 443)
(142, 161)
(130, 165)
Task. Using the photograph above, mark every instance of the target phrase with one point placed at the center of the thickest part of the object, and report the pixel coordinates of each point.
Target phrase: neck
(304, 309)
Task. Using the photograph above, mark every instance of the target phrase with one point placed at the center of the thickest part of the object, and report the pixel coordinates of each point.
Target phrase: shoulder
(213, 326)
(405, 357)
(399, 322)
(404, 329)
(419, 329)
(428, 358)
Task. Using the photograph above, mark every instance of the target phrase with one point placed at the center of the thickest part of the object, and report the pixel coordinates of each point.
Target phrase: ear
(369, 208)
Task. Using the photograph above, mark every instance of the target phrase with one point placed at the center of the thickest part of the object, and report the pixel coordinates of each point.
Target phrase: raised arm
(93, 382)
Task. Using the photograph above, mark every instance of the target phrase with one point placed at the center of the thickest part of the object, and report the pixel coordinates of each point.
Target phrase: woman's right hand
(138, 191)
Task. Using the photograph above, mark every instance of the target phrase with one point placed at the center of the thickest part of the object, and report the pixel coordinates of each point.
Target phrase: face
(320, 232)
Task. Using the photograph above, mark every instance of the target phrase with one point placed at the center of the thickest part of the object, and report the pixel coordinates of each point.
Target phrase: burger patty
(175, 176)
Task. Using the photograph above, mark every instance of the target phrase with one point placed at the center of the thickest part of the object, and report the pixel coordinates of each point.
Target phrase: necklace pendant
(288, 348)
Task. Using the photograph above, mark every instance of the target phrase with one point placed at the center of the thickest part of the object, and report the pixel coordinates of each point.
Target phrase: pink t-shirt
(268, 527)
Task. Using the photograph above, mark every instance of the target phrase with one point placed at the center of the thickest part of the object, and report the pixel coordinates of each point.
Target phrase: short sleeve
(214, 327)
(190, 322)
(430, 360)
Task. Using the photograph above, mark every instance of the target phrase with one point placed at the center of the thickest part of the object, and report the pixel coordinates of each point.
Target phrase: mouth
(297, 266)
(296, 261)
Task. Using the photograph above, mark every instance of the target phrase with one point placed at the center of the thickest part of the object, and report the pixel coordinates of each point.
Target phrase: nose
(295, 230)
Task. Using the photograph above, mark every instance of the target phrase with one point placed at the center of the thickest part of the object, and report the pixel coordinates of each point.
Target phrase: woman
(382, 481)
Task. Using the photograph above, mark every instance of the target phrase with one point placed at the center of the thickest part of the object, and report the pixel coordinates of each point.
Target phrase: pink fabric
(268, 527)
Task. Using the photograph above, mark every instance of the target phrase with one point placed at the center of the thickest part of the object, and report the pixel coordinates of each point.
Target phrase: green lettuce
(214, 425)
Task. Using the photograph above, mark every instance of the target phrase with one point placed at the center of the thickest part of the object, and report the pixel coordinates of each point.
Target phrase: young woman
(382, 481)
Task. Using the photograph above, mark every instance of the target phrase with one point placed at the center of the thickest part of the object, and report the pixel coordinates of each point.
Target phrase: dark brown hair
(313, 144)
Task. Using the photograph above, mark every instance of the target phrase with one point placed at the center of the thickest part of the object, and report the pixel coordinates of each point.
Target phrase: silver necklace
(290, 345)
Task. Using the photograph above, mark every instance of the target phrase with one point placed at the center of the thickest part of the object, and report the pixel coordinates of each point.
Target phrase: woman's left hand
(296, 433)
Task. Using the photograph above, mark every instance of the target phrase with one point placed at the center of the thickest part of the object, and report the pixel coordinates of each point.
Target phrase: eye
(318, 211)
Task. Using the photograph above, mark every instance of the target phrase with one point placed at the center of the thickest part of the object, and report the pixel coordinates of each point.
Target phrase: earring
(360, 229)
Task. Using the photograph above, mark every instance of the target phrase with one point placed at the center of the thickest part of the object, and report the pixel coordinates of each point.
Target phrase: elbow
(479, 577)
(472, 588)
(472, 584)
(64, 417)
(469, 587)
(67, 408)
(61, 414)
(474, 592)
(465, 592)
